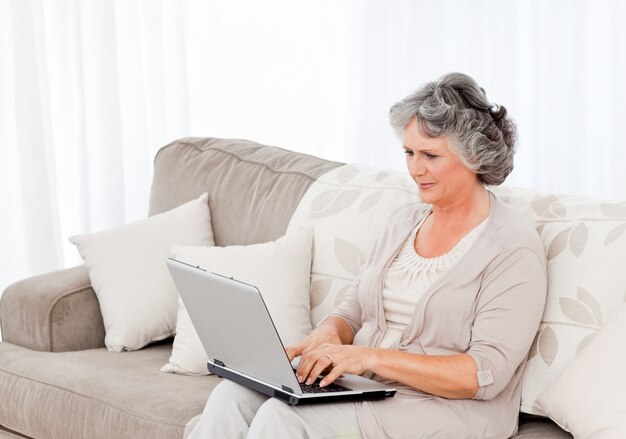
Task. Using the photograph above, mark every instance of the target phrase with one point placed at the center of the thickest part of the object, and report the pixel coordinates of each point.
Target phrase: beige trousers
(234, 411)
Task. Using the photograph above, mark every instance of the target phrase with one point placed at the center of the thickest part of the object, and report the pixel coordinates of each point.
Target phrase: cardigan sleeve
(350, 309)
(507, 317)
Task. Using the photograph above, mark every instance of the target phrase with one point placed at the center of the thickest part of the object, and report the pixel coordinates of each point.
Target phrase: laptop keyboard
(315, 388)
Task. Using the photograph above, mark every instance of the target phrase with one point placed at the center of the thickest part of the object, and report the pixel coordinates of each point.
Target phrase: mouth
(424, 186)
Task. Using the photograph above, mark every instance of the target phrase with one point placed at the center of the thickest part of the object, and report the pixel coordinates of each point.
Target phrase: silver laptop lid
(233, 324)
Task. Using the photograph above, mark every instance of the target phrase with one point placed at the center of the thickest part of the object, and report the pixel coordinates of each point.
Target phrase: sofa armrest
(54, 312)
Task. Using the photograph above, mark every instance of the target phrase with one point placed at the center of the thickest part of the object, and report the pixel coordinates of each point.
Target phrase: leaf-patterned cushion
(593, 408)
(585, 241)
(348, 208)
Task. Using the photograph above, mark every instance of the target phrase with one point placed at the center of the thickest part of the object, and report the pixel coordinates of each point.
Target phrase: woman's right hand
(325, 333)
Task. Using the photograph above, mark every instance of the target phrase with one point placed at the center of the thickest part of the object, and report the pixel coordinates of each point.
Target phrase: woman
(446, 307)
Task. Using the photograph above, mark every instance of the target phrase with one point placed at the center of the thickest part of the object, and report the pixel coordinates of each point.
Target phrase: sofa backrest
(584, 239)
(253, 189)
(585, 242)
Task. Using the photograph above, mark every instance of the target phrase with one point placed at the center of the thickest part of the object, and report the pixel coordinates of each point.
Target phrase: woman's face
(442, 179)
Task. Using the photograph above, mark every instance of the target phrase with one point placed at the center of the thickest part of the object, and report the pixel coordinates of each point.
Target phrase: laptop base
(291, 398)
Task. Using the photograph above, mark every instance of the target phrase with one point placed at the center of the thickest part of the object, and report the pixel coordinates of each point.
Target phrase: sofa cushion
(587, 398)
(253, 189)
(280, 269)
(137, 296)
(585, 242)
(107, 394)
(348, 209)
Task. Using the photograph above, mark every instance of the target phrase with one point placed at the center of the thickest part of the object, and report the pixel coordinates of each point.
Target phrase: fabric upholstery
(349, 209)
(253, 189)
(54, 312)
(537, 427)
(108, 394)
(585, 242)
(7, 434)
(587, 398)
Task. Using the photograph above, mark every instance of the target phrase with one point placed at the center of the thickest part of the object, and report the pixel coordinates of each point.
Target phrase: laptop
(239, 337)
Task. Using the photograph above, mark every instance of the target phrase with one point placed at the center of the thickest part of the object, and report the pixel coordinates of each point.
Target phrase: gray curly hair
(455, 106)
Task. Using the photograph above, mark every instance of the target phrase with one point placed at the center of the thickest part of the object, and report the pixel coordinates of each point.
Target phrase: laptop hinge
(286, 389)
(218, 362)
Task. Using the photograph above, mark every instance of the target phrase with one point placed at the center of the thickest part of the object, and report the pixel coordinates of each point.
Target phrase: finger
(309, 357)
(307, 361)
(293, 351)
(311, 347)
(297, 349)
(321, 364)
(331, 376)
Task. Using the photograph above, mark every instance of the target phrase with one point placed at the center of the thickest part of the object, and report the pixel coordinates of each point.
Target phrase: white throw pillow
(280, 269)
(128, 272)
(587, 398)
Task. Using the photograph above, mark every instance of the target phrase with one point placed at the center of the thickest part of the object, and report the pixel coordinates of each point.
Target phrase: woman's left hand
(335, 358)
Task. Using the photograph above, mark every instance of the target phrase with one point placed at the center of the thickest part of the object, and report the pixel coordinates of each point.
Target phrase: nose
(416, 167)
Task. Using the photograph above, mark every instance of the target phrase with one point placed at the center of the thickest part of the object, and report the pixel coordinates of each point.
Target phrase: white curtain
(271, 71)
(558, 66)
(89, 90)
(320, 77)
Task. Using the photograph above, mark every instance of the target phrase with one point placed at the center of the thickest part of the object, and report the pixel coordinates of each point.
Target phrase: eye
(408, 152)
(430, 156)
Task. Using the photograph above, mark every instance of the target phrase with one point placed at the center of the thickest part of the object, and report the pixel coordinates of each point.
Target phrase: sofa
(57, 380)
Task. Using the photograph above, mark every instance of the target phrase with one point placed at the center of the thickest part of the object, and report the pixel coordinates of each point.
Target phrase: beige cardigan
(488, 306)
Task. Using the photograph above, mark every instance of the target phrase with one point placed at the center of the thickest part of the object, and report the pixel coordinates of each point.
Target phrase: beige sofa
(56, 378)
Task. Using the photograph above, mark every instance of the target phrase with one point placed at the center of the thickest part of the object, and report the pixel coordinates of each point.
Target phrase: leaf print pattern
(558, 209)
(586, 310)
(541, 204)
(539, 229)
(545, 344)
(574, 237)
(319, 290)
(370, 201)
(587, 298)
(548, 345)
(346, 174)
(585, 342)
(613, 210)
(342, 202)
(578, 239)
(548, 206)
(615, 234)
(382, 176)
(576, 311)
(349, 256)
(323, 200)
(558, 244)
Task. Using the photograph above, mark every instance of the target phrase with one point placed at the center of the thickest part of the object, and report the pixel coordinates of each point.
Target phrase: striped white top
(410, 275)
